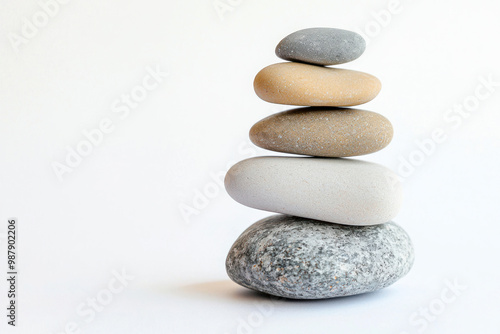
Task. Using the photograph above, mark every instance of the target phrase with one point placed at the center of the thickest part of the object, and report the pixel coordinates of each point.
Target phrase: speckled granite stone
(309, 85)
(323, 132)
(321, 46)
(300, 258)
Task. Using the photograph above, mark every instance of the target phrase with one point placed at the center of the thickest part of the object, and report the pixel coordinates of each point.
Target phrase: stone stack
(333, 235)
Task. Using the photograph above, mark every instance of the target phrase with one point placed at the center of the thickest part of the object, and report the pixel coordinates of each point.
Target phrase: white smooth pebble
(342, 191)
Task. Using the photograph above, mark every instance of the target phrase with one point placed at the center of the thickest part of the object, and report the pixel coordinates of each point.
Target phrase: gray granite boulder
(321, 46)
(300, 258)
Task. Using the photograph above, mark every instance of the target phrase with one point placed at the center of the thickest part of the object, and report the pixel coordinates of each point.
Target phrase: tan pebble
(310, 85)
(323, 132)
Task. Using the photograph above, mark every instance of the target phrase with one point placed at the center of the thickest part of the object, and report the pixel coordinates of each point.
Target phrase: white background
(119, 209)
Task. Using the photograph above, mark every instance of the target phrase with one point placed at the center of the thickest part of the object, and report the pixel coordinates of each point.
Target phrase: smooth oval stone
(343, 191)
(315, 86)
(321, 46)
(300, 258)
(323, 132)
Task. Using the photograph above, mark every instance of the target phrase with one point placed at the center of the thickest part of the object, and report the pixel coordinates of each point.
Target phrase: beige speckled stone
(310, 85)
(323, 132)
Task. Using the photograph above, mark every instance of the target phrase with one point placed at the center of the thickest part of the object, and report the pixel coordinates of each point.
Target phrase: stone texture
(321, 46)
(323, 132)
(343, 191)
(300, 258)
(315, 86)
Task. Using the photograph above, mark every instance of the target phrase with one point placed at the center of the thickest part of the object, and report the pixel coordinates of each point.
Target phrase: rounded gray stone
(300, 258)
(321, 46)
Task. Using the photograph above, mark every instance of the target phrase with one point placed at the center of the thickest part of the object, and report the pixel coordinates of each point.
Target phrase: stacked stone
(333, 235)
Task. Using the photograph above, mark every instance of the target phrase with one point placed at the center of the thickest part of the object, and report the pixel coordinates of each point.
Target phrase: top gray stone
(321, 46)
